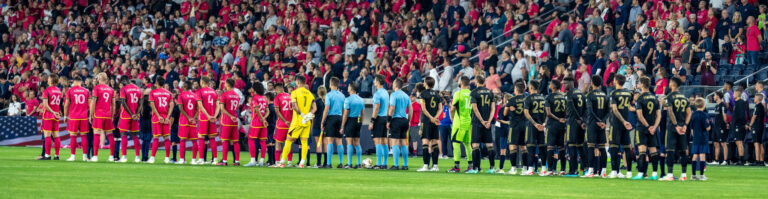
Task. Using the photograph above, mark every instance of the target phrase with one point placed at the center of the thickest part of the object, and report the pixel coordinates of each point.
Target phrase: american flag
(24, 131)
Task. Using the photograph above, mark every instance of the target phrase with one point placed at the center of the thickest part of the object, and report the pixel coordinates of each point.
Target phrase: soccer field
(23, 177)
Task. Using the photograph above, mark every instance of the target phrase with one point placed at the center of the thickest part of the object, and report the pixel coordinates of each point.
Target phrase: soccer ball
(367, 163)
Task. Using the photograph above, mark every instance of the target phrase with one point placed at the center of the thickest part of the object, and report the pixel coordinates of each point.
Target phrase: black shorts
(619, 136)
(575, 134)
(517, 133)
(379, 127)
(480, 134)
(739, 132)
(398, 128)
(757, 134)
(534, 137)
(644, 137)
(595, 136)
(332, 126)
(675, 142)
(429, 131)
(352, 128)
(720, 134)
(555, 134)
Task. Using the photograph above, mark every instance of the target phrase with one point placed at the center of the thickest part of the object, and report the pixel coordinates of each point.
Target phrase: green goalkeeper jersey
(461, 103)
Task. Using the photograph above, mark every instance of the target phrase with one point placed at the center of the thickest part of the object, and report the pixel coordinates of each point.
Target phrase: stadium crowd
(269, 44)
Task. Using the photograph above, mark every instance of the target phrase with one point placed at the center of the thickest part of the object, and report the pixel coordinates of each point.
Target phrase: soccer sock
(702, 165)
(425, 154)
(512, 157)
(572, 161)
(174, 149)
(683, 161)
(214, 148)
(349, 154)
(523, 158)
(385, 154)
(670, 160)
(319, 157)
(551, 165)
(111, 139)
(224, 150)
(155, 142)
(491, 157)
(201, 147)
(395, 155)
(456, 151)
(287, 146)
(502, 159)
(72, 144)
(359, 152)
(630, 156)
(562, 159)
(582, 156)
(167, 143)
(328, 154)
(615, 158)
(378, 155)
(654, 162)
(404, 153)
(603, 161)
(694, 166)
(252, 148)
(271, 153)
(642, 165)
(340, 151)
(263, 147)
(56, 145)
(194, 150)
(531, 154)
(304, 150)
(236, 150)
(123, 144)
(84, 143)
(661, 161)
(476, 158)
(279, 153)
(590, 155)
(96, 144)
(435, 154)
(48, 143)
(183, 149)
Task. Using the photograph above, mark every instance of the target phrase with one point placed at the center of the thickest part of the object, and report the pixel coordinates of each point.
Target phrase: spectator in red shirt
(754, 37)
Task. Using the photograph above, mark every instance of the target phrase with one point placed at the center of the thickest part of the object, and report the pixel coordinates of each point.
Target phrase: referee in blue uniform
(400, 114)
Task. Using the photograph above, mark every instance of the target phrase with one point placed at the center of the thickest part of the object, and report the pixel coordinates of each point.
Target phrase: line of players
(583, 124)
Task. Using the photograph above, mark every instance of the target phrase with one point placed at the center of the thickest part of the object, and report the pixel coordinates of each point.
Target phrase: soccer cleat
(339, 166)
(44, 158)
(468, 169)
(588, 175)
(683, 178)
(193, 162)
(713, 163)
(571, 175)
(694, 177)
(95, 159)
(85, 158)
(435, 168)
(167, 160)
(637, 177)
(236, 164)
(123, 160)
(394, 168)
(619, 175)
(222, 164)
(181, 161)
(473, 171)
(315, 166)
(512, 171)
(500, 171)
(527, 173)
(137, 159)
(668, 177)
(612, 175)
(653, 177)
(301, 166)
(490, 171)
(454, 170)
(423, 168)
(214, 162)
(724, 163)
(404, 168)
(151, 160)
(545, 173)
(111, 159)
(71, 158)
(251, 164)
(56, 157)
(562, 173)
(347, 167)
(703, 178)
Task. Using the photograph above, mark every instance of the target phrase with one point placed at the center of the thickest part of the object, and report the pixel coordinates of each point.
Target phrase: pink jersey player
(161, 101)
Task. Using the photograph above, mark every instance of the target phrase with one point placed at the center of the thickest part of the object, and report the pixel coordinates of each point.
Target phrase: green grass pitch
(23, 177)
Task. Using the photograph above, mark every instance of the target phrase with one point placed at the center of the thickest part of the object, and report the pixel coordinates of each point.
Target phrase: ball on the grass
(367, 163)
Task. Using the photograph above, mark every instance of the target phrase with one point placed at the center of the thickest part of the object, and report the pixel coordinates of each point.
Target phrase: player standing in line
(228, 103)
(700, 132)
(378, 123)
(51, 113)
(575, 126)
(679, 114)
(720, 129)
(555, 106)
(259, 114)
(535, 113)
(460, 131)
(739, 119)
(331, 122)
(620, 127)
(187, 102)
(284, 116)
(206, 106)
(161, 102)
(102, 108)
(400, 110)
(130, 108)
(515, 109)
(483, 110)
(76, 113)
(502, 128)
(431, 109)
(317, 128)
(757, 125)
(350, 122)
(597, 114)
(648, 118)
(303, 109)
